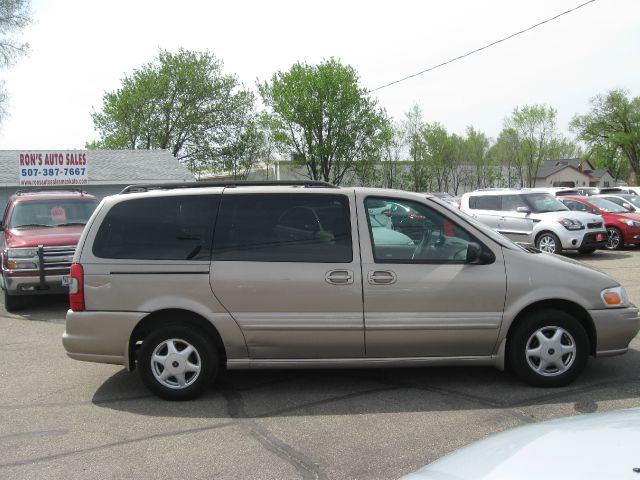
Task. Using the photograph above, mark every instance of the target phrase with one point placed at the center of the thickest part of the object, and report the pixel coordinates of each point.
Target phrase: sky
(80, 49)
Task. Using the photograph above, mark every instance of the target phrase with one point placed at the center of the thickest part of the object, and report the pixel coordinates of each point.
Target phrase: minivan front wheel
(548, 242)
(548, 348)
(177, 362)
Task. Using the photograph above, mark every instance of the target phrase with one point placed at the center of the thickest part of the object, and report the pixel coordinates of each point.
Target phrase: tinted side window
(485, 202)
(284, 228)
(162, 228)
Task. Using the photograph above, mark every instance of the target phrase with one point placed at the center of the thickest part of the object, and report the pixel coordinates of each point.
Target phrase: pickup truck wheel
(548, 348)
(177, 362)
(13, 302)
(548, 242)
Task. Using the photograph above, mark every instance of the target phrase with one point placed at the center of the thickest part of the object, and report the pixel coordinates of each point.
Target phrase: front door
(287, 269)
(421, 297)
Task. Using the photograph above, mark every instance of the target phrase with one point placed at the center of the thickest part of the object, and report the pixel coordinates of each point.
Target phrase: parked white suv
(536, 218)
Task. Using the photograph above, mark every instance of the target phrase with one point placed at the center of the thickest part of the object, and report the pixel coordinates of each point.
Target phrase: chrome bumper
(34, 285)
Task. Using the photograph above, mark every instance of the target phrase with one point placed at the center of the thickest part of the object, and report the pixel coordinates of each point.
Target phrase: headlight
(21, 259)
(631, 223)
(614, 297)
(571, 224)
(22, 252)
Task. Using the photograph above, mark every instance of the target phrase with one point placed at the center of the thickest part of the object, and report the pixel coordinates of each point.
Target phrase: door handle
(339, 277)
(381, 277)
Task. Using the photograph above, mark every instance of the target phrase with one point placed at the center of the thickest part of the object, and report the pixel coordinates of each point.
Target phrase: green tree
(506, 151)
(612, 129)
(391, 151)
(181, 102)
(536, 129)
(437, 156)
(14, 16)
(412, 128)
(476, 149)
(324, 118)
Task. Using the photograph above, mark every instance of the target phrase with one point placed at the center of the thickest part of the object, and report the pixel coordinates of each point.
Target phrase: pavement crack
(57, 456)
(306, 467)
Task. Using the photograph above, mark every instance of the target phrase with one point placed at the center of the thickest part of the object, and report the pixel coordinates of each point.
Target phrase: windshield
(489, 232)
(634, 199)
(607, 206)
(51, 213)
(544, 202)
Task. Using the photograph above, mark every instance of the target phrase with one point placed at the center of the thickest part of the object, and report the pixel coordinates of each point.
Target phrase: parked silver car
(536, 218)
(595, 446)
(180, 281)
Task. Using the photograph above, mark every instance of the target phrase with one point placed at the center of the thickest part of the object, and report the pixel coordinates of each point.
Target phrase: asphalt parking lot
(61, 418)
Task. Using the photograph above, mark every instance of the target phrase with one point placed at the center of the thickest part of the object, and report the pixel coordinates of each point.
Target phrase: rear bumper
(101, 337)
(615, 328)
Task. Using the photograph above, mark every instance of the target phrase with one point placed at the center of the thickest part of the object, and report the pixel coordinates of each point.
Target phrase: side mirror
(476, 255)
(523, 210)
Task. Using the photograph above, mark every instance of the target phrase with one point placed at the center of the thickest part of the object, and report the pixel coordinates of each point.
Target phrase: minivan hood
(47, 237)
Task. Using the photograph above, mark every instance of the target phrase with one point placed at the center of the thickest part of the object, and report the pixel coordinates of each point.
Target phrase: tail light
(76, 288)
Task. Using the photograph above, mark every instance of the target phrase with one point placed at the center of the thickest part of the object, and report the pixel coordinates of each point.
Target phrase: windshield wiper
(70, 224)
(32, 225)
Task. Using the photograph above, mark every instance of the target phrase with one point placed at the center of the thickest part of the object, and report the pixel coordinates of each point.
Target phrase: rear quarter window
(159, 228)
(485, 202)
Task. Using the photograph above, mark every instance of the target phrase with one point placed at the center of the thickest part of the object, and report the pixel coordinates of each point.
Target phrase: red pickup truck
(40, 231)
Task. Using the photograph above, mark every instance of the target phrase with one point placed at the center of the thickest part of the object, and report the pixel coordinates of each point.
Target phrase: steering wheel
(422, 245)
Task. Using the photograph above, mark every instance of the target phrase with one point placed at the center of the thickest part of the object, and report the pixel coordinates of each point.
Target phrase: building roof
(109, 166)
(600, 172)
(550, 167)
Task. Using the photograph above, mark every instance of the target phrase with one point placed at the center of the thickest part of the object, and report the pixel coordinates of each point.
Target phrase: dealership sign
(43, 169)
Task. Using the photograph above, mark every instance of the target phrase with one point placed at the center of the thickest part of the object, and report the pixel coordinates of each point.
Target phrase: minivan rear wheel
(548, 348)
(548, 242)
(177, 362)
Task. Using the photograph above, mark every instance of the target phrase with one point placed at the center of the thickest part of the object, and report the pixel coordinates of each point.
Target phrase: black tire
(563, 368)
(179, 336)
(13, 303)
(586, 250)
(615, 240)
(548, 242)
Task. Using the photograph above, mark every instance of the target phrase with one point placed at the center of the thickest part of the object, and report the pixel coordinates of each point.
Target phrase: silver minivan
(179, 281)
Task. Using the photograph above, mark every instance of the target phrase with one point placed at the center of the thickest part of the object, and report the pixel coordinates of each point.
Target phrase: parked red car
(623, 227)
(40, 231)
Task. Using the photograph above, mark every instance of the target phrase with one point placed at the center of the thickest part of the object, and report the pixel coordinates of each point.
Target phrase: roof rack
(228, 184)
(26, 191)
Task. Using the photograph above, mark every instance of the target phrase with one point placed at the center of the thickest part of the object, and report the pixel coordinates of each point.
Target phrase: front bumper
(35, 285)
(615, 328)
(101, 337)
(581, 239)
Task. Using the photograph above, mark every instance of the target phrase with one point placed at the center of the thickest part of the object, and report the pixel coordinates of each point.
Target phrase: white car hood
(584, 217)
(595, 446)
